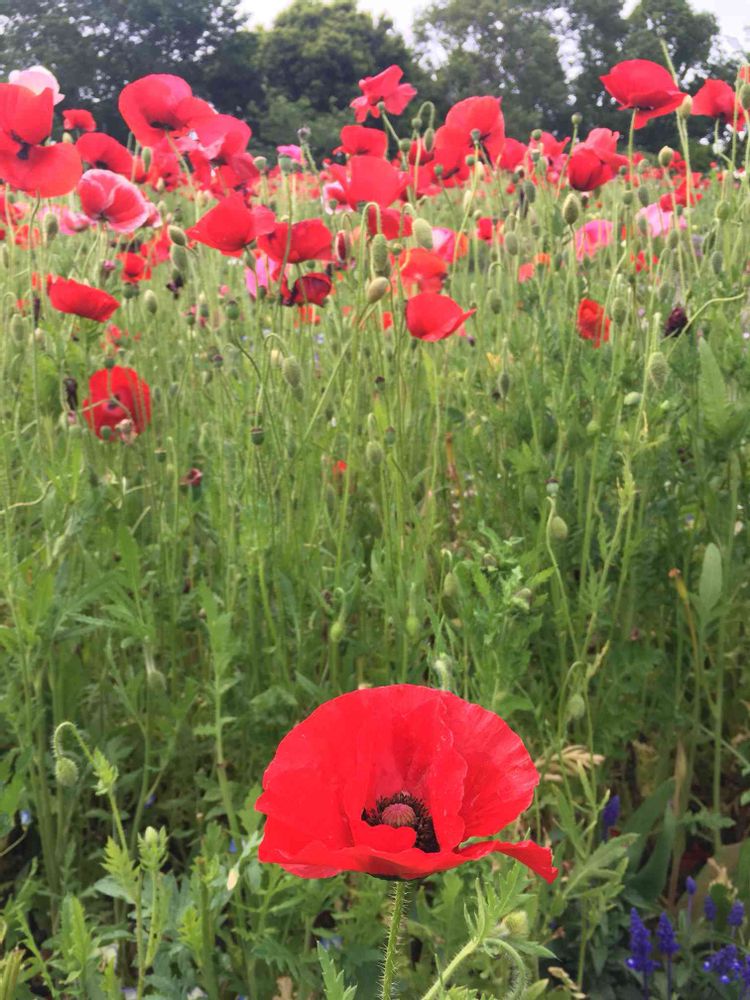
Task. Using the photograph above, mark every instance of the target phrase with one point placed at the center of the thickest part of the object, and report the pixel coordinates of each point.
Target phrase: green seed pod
(232, 310)
(571, 209)
(389, 436)
(150, 301)
(291, 371)
(627, 198)
(666, 155)
(374, 454)
(450, 586)
(643, 196)
(658, 369)
(379, 255)
(512, 245)
(558, 529)
(257, 436)
(717, 261)
(130, 291)
(261, 163)
(376, 289)
(51, 226)
(66, 769)
(536, 135)
(177, 235)
(576, 707)
(576, 118)
(422, 233)
(178, 256)
(619, 310)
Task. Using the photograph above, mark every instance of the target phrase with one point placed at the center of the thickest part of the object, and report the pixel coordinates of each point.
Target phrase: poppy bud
(576, 707)
(130, 292)
(203, 310)
(666, 155)
(619, 310)
(536, 135)
(593, 427)
(155, 681)
(494, 302)
(632, 399)
(576, 118)
(723, 211)
(503, 384)
(422, 232)
(438, 170)
(342, 245)
(150, 301)
(178, 256)
(717, 261)
(558, 529)
(257, 436)
(379, 255)
(146, 156)
(428, 139)
(232, 310)
(337, 631)
(374, 454)
(511, 244)
(389, 435)
(658, 369)
(627, 198)
(517, 924)
(529, 191)
(17, 328)
(376, 289)
(412, 626)
(643, 196)
(66, 772)
(642, 225)
(673, 239)
(686, 108)
(177, 235)
(571, 209)
(404, 145)
(745, 96)
(51, 226)
(291, 371)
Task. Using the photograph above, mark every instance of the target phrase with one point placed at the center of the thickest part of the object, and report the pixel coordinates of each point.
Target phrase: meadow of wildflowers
(355, 512)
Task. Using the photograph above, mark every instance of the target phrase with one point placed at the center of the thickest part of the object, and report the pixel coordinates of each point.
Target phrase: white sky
(733, 15)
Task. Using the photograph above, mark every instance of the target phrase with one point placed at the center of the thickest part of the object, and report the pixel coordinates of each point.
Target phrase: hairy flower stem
(391, 948)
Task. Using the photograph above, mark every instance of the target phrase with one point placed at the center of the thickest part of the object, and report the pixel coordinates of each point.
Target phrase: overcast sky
(734, 15)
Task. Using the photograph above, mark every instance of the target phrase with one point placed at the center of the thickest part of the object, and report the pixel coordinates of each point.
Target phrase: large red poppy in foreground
(645, 86)
(392, 781)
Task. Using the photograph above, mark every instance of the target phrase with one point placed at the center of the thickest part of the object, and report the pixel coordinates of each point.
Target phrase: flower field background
(446, 408)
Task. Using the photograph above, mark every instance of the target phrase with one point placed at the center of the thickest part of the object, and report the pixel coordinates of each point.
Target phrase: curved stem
(391, 948)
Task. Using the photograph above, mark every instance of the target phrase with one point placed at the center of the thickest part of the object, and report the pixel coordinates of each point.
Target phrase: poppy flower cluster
(395, 781)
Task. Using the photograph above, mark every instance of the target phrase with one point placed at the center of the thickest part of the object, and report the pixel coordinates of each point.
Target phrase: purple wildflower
(610, 815)
(709, 909)
(665, 936)
(736, 914)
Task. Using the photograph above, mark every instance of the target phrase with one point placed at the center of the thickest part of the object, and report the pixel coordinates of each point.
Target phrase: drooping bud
(291, 370)
(51, 226)
(494, 301)
(374, 454)
(450, 585)
(66, 771)
(422, 232)
(376, 289)
(558, 529)
(571, 209)
(658, 369)
(150, 301)
(576, 707)
(379, 255)
(178, 256)
(177, 235)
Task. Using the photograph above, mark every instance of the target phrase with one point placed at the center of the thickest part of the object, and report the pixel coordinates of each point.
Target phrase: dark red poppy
(430, 316)
(307, 240)
(110, 198)
(135, 268)
(159, 105)
(592, 322)
(356, 140)
(231, 226)
(367, 178)
(105, 153)
(392, 781)
(717, 99)
(385, 88)
(311, 289)
(26, 164)
(115, 395)
(78, 119)
(645, 86)
(70, 296)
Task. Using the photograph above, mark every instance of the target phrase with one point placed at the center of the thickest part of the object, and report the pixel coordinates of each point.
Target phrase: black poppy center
(23, 152)
(403, 809)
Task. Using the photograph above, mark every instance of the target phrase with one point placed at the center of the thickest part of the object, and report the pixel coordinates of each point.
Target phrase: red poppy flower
(307, 240)
(595, 161)
(392, 781)
(311, 289)
(70, 296)
(391, 222)
(160, 104)
(78, 118)
(430, 316)
(230, 226)
(384, 87)
(135, 267)
(26, 164)
(423, 268)
(356, 140)
(115, 395)
(105, 153)
(367, 178)
(109, 197)
(645, 86)
(476, 121)
(717, 99)
(592, 323)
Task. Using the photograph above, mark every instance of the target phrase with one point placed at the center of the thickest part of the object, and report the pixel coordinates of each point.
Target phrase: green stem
(391, 948)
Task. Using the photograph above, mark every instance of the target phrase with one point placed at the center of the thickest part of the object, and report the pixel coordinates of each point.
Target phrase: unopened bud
(685, 109)
(632, 399)
(51, 226)
(178, 256)
(66, 772)
(643, 196)
(717, 261)
(450, 585)
(745, 96)
(666, 155)
(723, 211)
(576, 118)
(576, 707)
(17, 327)
(261, 163)
(619, 310)
(422, 233)
(291, 371)
(257, 436)
(379, 254)
(571, 209)
(150, 301)
(558, 529)
(428, 139)
(627, 197)
(177, 235)
(529, 191)
(512, 245)
(494, 301)
(374, 454)
(658, 369)
(146, 157)
(376, 289)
